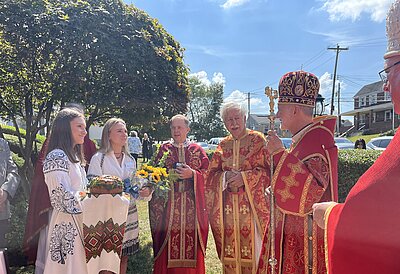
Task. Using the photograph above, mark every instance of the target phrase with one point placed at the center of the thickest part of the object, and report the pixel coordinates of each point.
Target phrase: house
(373, 110)
(261, 123)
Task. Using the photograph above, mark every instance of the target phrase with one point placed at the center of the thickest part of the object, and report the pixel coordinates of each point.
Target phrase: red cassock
(305, 174)
(39, 201)
(179, 226)
(363, 233)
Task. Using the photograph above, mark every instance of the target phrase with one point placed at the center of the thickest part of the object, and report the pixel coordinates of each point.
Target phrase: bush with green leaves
(352, 164)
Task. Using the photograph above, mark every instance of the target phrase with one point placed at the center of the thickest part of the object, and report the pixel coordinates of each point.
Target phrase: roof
(370, 88)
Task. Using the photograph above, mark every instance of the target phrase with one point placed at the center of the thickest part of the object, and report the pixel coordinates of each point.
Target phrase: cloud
(325, 89)
(241, 98)
(218, 78)
(202, 76)
(352, 9)
(233, 3)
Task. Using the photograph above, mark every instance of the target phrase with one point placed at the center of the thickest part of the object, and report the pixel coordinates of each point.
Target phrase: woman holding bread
(113, 158)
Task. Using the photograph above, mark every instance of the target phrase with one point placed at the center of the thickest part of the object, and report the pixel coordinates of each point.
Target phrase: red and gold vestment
(305, 174)
(238, 217)
(179, 227)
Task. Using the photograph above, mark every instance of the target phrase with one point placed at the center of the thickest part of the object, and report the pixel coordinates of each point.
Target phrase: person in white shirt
(134, 145)
(113, 158)
(60, 248)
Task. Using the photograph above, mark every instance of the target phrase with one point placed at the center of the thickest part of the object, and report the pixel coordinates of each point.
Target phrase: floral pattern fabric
(63, 247)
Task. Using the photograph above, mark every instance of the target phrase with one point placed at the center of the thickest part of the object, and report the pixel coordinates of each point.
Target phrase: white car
(343, 143)
(379, 143)
(214, 142)
(204, 145)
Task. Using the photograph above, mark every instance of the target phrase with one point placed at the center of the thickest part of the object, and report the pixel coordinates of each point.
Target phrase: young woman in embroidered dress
(61, 248)
(113, 158)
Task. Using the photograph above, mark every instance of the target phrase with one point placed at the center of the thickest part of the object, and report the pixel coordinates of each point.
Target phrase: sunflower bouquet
(155, 177)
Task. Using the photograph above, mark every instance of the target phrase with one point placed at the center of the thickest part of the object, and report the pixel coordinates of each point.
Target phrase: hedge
(11, 130)
(352, 164)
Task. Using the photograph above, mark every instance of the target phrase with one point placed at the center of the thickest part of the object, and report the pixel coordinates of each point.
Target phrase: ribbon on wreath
(132, 190)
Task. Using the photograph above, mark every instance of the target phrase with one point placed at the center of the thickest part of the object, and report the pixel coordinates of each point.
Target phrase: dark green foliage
(352, 164)
(111, 57)
(11, 130)
(204, 109)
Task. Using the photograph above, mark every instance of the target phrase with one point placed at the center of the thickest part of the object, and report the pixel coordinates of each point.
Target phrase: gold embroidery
(244, 210)
(229, 250)
(290, 181)
(245, 251)
(228, 209)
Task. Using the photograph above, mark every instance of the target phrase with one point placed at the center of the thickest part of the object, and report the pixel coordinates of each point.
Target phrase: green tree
(205, 101)
(111, 57)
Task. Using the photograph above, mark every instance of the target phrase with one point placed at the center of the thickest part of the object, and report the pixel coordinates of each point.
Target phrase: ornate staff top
(272, 94)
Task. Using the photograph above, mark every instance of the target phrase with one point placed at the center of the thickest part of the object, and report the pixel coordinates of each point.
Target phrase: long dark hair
(61, 136)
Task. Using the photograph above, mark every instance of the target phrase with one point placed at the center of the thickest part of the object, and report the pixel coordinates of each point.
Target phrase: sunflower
(156, 177)
(142, 173)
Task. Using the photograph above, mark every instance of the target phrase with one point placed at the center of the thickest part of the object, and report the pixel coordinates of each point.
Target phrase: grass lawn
(367, 138)
(142, 262)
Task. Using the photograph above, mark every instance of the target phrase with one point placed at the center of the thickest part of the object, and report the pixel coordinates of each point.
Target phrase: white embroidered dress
(65, 252)
(107, 164)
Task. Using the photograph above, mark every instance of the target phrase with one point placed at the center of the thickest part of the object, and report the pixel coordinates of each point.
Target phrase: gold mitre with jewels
(393, 30)
(299, 88)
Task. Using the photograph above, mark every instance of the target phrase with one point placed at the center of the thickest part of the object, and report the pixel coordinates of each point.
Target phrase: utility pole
(338, 49)
(248, 109)
(338, 109)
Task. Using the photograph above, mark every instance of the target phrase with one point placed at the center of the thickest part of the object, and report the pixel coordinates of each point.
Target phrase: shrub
(11, 130)
(352, 164)
(388, 133)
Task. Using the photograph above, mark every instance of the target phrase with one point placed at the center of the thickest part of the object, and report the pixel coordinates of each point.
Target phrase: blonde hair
(105, 145)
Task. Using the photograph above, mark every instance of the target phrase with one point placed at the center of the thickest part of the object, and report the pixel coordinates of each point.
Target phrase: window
(361, 101)
(362, 119)
(374, 117)
(367, 100)
(356, 103)
(380, 97)
(388, 115)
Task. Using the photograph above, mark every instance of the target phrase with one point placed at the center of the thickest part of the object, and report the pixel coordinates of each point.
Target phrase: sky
(249, 44)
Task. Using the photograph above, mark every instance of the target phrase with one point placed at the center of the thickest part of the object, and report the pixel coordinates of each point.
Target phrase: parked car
(379, 143)
(344, 143)
(204, 145)
(214, 142)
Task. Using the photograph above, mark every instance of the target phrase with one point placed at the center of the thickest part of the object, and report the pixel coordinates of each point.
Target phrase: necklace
(118, 155)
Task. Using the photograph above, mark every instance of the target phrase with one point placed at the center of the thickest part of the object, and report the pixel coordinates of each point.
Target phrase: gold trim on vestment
(306, 245)
(326, 220)
(303, 198)
(315, 247)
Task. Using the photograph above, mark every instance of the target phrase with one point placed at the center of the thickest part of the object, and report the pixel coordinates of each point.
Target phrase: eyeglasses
(384, 73)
